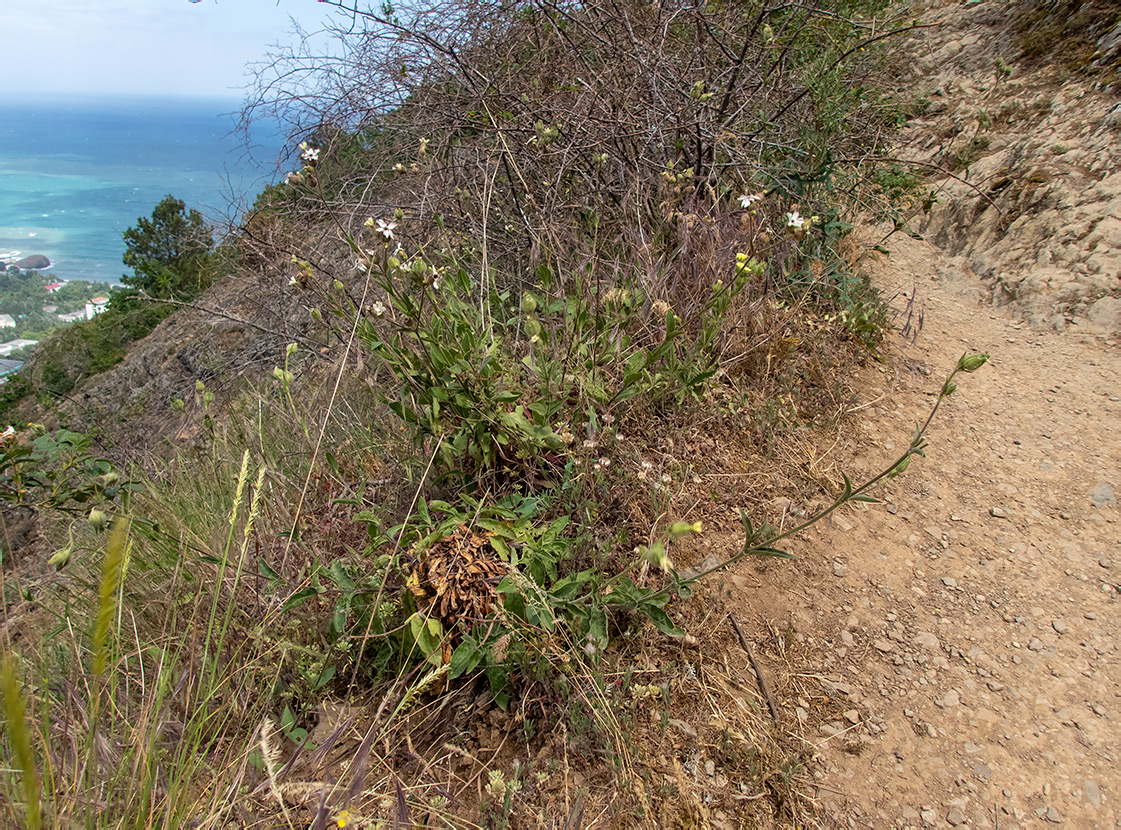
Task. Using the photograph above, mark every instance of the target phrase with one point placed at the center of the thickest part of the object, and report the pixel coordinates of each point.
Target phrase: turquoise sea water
(75, 173)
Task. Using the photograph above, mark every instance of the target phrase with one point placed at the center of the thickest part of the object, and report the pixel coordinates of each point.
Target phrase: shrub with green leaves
(501, 386)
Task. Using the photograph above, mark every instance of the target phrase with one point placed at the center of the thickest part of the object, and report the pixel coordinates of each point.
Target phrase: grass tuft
(19, 740)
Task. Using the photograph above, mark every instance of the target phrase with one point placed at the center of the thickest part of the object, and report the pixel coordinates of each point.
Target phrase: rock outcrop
(35, 262)
(1035, 148)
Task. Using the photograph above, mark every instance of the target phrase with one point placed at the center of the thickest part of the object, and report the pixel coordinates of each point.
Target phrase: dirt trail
(969, 670)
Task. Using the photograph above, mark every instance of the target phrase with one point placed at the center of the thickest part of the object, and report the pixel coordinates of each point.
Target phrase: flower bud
(972, 362)
(61, 558)
(111, 479)
(656, 555)
(98, 520)
(679, 529)
(529, 304)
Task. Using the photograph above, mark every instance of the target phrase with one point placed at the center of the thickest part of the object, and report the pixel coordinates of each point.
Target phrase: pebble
(1102, 494)
(710, 768)
(948, 700)
(1093, 793)
(926, 640)
(884, 646)
(997, 513)
(955, 816)
(1036, 644)
(949, 582)
(892, 509)
(839, 568)
(1060, 626)
(928, 816)
(852, 716)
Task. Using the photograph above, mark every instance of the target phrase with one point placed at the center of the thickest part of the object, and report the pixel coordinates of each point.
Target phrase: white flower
(360, 266)
(605, 462)
(8, 433)
(667, 478)
(386, 228)
(747, 200)
(378, 308)
(309, 153)
(589, 444)
(436, 283)
(793, 220)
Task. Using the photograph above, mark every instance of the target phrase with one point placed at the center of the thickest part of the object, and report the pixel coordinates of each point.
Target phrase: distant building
(95, 306)
(73, 316)
(14, 345)
(54, 286)
(8, 367)
(50, 309)
(7, 321)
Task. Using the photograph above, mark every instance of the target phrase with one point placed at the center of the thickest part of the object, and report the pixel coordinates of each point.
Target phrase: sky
(142, 47)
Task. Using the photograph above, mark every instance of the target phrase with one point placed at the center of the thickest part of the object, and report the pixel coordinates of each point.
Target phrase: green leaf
(774, 552)
(324, 677)
(338, 575)
(428, 634)
(299, 598)
(465, 658)
(662, 620)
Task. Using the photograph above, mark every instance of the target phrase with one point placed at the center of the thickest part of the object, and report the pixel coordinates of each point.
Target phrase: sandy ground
(966, 630)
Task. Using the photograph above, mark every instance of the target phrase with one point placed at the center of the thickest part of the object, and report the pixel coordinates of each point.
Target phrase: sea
(75, 173)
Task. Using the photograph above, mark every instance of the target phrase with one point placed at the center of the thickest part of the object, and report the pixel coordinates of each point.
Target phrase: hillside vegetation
(555, 291)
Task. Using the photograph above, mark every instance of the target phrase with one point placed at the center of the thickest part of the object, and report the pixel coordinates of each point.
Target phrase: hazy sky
(174, 47)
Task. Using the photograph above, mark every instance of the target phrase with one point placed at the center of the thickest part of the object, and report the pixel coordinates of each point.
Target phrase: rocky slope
(1035, 145)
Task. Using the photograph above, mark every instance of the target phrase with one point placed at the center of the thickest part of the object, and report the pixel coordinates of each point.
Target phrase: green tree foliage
(170, 252)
